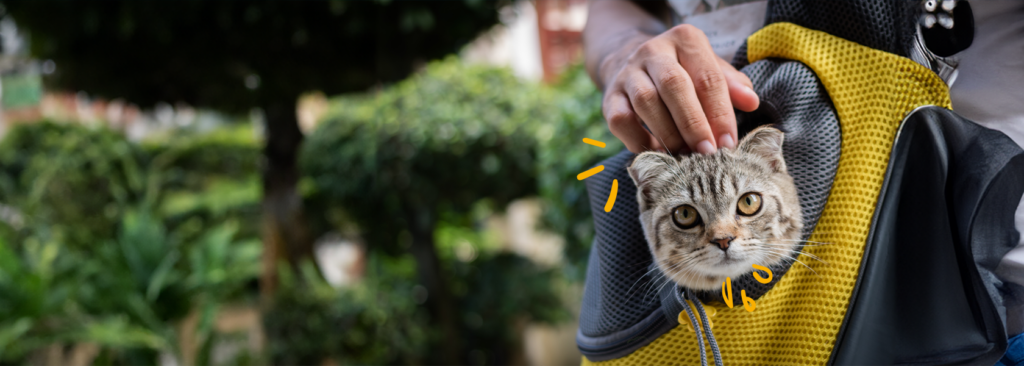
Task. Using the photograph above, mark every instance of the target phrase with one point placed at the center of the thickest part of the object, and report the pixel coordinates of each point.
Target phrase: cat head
(708, 217)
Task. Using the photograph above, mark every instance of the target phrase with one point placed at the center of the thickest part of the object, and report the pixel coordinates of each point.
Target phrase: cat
(709, 217)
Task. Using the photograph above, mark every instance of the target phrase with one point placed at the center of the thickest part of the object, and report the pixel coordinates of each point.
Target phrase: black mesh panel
(618, 294)
(885, 25)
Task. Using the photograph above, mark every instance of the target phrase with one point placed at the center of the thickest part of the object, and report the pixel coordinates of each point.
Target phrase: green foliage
(376, 321)
(96, 261)
(46, 166)
(437, 142)
(452, 144)
(125, 295)
(206, 179)
(497, 291)
(80, 181)
(458, 133)
(227, 152)
(121, 240)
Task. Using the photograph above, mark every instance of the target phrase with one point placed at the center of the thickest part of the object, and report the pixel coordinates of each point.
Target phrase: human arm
(666, 78)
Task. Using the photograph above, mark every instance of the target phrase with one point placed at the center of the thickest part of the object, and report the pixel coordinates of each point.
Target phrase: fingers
(741, 92)
(712, 90)
(649, 106)
(684, 94)
(679, 95)
(624, 124)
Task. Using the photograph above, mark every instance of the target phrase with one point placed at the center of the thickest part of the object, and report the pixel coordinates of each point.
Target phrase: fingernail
(725, 141)
(705, 147)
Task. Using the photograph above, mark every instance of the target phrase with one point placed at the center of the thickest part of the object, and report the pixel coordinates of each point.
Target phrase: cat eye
(749, 204)
(685, 217)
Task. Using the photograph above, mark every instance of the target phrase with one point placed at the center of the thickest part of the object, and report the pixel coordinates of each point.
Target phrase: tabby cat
(708, 217)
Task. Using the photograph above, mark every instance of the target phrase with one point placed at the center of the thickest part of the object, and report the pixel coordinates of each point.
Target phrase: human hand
(676, 85)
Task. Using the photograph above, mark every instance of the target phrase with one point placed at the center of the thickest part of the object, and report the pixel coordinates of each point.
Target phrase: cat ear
(765, 142)
(648, 170)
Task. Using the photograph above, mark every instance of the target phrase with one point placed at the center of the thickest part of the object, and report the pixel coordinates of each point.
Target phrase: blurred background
(316, 182)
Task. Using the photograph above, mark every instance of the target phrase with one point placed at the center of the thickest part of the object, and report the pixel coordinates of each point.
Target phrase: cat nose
(723, 243)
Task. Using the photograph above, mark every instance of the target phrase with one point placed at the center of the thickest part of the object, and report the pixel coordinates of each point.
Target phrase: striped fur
(713, 185)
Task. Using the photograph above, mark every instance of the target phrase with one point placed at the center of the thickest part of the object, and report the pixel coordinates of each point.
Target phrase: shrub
(96, 261)
(76, 180)
(375, 321)
(423, 153)
(439, 141)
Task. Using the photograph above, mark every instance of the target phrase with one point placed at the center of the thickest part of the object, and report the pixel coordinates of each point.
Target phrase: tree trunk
(283, 226)
(440, 303)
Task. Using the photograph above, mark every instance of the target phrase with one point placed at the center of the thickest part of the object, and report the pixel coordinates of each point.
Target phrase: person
(667, 83)
(668, 78)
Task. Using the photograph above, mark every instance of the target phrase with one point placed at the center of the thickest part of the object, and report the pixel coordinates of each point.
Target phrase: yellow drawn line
(611, 197)
(588, 173)
(594, 142)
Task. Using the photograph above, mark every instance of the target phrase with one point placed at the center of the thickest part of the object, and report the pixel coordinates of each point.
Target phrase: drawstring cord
(697, 328)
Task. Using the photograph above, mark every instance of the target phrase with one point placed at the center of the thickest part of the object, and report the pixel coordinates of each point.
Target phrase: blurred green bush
(373, 322)
(425, 154)
(452, 135)
(437, 142)
(419, 155)
(119, 241)
(102, 252)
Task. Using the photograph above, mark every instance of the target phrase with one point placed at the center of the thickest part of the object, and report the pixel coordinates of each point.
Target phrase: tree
(430, 146)
(237, 55)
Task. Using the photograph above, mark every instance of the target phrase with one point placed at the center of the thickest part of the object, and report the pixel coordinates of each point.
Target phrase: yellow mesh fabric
(796, 323)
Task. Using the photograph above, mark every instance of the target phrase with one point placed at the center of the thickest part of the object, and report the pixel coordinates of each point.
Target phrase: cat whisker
(790, 245)
(795, 260)
(639, 279)
(794, 251)
(792, 240)
(686, 261)
(812, 256)
(662, 287)
(657, 287)
(797, 252)
(647, 274)
(688, 276)
(806, 266)
(648, 287)
(654, 284)
(663, 146)
(803, 241)
(651, 285)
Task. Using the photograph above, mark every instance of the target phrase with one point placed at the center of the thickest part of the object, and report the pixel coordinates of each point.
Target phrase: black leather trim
(926, 293)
